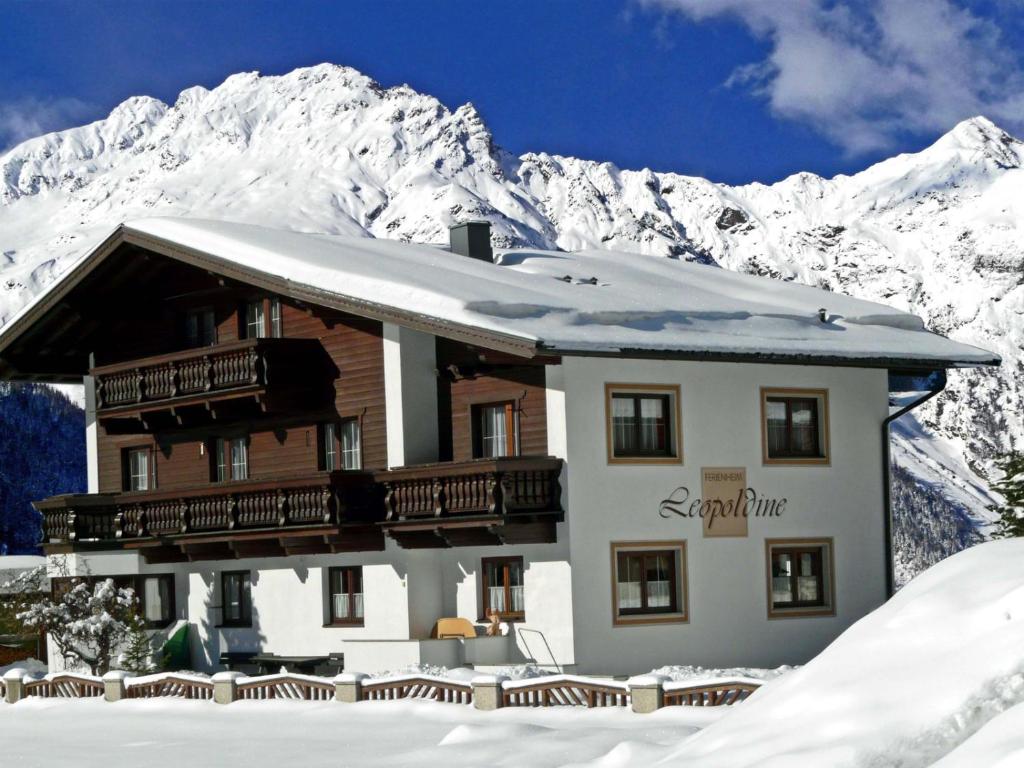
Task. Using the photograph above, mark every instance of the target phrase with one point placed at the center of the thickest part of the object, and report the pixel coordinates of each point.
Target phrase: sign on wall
(725, 488)
(724, 503)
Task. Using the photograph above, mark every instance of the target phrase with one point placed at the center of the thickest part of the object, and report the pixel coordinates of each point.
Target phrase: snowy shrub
(1011, 513)
(87, 622)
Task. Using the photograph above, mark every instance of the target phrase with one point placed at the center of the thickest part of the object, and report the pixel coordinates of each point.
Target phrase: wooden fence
(169, 685)
(285, 686)
(642, 694)
(417, 687)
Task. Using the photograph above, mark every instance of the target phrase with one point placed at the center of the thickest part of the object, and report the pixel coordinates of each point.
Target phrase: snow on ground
(47, 733)
(999, 744)
(902, 687)
(680, 673)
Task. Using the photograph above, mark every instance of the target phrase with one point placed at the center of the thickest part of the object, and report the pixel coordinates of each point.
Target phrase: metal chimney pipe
(472, 239)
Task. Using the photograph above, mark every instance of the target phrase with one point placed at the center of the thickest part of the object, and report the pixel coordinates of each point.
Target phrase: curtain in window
(255, 326)
(782, 572)
(805, 426)
(493, 431)
(239, 459)
(778, 443)
(156, 599)
(330, 447)
(275, 318)
(516, 590)
(351, 454)
(652, 425)
(659, 582)
(496, 587)
(624, 425)
(807, 578)
(629, 583)
(138, 470)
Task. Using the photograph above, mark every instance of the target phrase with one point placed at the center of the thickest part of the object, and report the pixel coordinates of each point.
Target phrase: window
(800, 581)
(255, 320)
(236, 599)
(200, 328)
(137, 469)
(649, 582)
(275, 318)
(340, 445)
(495, 430)
(351, 447)
(329, 446)
(795, 426)
(643, 424)
(346, 594)
(263, 319)
(503, 587)
(229, 459)
(156, 599)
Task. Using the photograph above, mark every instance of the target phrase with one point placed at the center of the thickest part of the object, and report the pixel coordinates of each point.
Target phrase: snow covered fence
(645, 693)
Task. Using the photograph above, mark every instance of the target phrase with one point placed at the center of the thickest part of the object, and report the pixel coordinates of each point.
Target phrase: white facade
(568, 585)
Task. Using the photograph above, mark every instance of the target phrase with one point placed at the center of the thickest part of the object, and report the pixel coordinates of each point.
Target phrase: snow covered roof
(531, 301)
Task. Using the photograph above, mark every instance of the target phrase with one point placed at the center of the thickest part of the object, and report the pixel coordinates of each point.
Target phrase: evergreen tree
(42, 453)
(138, 651)
(1011, 487)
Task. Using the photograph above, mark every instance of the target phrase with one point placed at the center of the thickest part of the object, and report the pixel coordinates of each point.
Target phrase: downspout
(938, 386)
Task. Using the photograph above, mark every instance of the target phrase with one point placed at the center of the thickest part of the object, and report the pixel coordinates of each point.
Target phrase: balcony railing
(410, 503)
(238, 365)
(505, 486)
(326, 500)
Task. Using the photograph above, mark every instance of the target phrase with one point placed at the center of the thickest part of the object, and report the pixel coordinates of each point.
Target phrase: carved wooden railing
(325, 499)
(486, 486)
(250, 363)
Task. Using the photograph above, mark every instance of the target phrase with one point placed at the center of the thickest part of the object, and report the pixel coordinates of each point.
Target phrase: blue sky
(735, 90)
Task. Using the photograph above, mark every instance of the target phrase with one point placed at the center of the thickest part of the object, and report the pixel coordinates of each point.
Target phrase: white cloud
(27, 118)
(862, 72)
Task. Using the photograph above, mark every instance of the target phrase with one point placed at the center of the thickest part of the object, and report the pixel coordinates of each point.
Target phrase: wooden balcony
(514, 500)
(199, 386)
(476, 503)
(328, 512)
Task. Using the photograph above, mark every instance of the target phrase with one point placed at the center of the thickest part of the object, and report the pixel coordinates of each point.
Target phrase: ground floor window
(156, 599)
(503, 588)
(236, 599)
(649, 582)
(800, 577)
(346, 595)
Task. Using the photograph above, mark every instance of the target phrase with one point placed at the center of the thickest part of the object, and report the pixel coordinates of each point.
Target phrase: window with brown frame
(236, 599)
(800, 578)
(229, 459)
(495, 430)
(649, 582)
(261, 318)
(340, 445)
(346, 595)
(795, 426)
(643, 423)
(503, 588)
(200, 327)
(137, 470)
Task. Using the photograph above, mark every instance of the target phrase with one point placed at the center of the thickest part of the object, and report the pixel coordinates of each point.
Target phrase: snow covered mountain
(328, 149)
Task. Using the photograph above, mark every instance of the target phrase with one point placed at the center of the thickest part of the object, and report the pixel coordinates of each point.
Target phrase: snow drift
(903, 687)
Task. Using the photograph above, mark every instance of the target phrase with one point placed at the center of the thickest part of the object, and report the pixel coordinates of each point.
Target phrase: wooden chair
(453, 627)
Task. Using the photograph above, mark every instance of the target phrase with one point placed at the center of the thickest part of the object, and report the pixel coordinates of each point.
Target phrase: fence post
(487, 691)
(225, 687)
(113, 685)
(13, 682)
(348, 687)
(647, 692)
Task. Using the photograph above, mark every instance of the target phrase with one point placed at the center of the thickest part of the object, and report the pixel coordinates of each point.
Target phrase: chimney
(473, 239)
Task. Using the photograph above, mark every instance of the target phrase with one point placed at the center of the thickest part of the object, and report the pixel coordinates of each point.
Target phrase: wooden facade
(185, 361)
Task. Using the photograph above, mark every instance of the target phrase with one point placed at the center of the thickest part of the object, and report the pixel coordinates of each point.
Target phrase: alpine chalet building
(326, 452)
